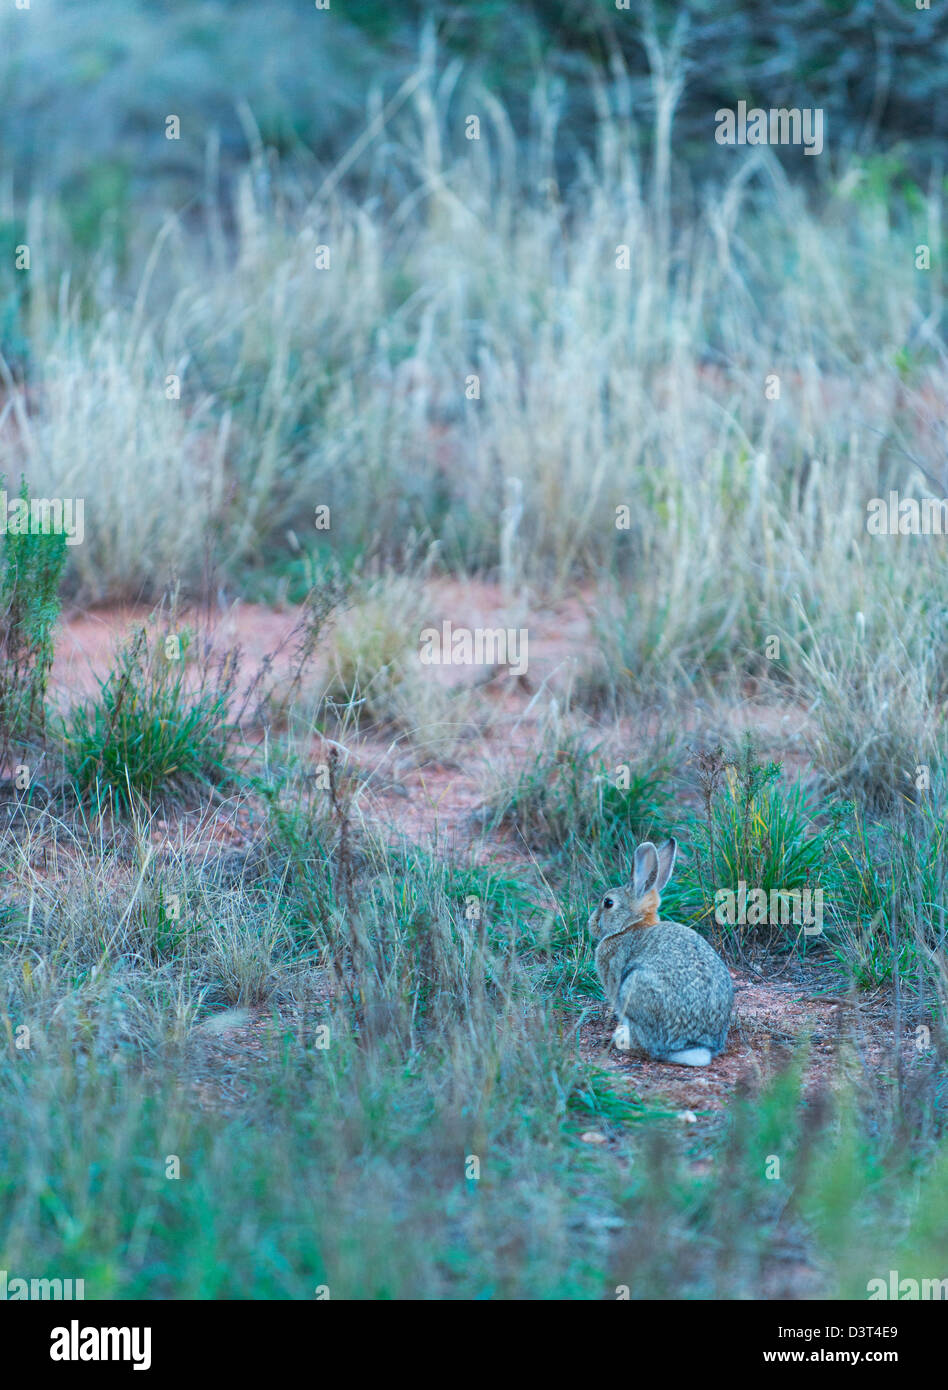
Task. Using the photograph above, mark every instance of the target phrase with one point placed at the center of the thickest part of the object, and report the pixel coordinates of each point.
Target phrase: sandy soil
(772, 1017)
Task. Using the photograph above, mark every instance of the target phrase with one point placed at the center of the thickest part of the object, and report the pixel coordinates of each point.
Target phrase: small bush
(750, 830)
(890, 918)
(151, 732)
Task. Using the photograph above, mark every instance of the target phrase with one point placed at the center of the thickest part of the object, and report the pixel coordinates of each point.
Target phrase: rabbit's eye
(607, 902)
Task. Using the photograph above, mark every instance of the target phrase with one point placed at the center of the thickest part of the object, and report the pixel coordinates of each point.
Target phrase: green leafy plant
(32, 567)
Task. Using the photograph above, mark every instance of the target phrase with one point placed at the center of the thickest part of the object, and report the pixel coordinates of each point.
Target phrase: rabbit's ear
(645, 873)
(666, 861)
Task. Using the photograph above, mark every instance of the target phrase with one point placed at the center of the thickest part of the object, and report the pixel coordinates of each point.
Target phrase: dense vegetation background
(82, 92)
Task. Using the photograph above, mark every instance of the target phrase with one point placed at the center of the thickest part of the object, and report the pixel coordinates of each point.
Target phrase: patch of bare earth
(845, 1035)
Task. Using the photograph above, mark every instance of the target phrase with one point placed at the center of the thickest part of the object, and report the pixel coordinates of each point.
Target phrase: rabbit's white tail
(691, 1057)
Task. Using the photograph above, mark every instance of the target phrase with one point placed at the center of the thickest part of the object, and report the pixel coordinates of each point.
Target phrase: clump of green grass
(751, 830)
(158, 728)
(569, 796)
(867, 939)
(30, 574)
(891, 922)
(309, 836)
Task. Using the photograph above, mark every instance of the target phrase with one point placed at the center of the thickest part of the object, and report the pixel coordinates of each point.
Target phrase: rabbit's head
(636, 904)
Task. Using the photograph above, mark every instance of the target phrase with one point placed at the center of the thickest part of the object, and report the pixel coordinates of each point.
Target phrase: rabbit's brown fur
(671, 991)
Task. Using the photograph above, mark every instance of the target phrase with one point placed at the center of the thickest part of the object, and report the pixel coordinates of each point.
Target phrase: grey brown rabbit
(671, 991)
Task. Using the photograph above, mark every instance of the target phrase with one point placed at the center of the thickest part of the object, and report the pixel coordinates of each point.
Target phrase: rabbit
(671, 991)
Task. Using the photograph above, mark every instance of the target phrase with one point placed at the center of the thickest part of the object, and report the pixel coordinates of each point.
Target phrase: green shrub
(750, 830)
(151, 732)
